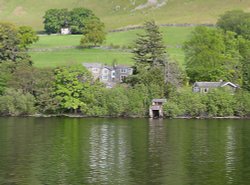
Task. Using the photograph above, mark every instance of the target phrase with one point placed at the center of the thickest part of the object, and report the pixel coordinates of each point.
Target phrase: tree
(55, 19)
(212, 55)
(245, 61)
(236, 21)
(78, 19)
(219, 102)
(10, 44)
(149, 48)
(70, 85)
(93, 33)
(27, 36)
(6, 69)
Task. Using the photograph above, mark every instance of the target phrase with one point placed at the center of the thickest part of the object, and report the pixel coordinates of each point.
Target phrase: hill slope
(120, 13)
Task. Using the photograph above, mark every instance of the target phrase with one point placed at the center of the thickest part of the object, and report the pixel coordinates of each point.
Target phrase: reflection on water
(36, 151)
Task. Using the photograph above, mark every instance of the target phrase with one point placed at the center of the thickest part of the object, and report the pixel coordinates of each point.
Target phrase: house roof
(159, 100)
(122, 67)
(214, 84)
(92, 65)
(230, 84)
(108, 67)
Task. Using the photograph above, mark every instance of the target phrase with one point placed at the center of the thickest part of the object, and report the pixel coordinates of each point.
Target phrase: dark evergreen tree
(149, 48)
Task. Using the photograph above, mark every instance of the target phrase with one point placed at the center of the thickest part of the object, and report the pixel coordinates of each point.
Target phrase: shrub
(15, 103)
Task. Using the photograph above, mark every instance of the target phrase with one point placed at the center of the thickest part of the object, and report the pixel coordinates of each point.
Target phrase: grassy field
(78, 56)
(121, 13)
(60, 49)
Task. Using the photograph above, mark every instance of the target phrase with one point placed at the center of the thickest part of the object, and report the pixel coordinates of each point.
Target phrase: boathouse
(156, 109)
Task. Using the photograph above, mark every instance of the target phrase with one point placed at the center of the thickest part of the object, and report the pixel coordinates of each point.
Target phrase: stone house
(109, 75)
(204, 87)
(156, 109)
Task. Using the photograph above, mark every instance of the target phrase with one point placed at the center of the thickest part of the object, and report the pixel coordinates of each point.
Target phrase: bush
(189, 103)
(219, 103)
(16, 103)
(171, 110)
(242, 106)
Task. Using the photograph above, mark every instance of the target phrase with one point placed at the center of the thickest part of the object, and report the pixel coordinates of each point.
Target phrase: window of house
(122, 78)
(104, 77)
(105, 71)
(95, 70)
(123, 70)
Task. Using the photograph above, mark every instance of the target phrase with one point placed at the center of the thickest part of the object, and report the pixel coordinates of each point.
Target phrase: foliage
(242, 103)
(79, 18)
(70, 84)
(15, 102)
(55, 19)
(27, 36)
(10, 48)
(174, 75)
(23, 77)
(189, 103)
(43, 89)
(116, 101)
(171, 109)
(5, 70)
(149, 48)
(212, 55)
(150, 62)
(95, 98)
(236, 21)
(219, 103)
(93, 33)
(245, 60)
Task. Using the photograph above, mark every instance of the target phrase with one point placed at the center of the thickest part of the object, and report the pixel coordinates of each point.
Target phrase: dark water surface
(74, 151)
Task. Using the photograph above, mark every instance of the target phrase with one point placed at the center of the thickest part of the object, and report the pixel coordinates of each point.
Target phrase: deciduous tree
(212, 55)
(10, 44)
(236, 21)
(93, 33)
(70, 84)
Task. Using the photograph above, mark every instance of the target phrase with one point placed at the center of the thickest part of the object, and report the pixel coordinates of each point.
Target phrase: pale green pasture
(78, 56)
(173, 38)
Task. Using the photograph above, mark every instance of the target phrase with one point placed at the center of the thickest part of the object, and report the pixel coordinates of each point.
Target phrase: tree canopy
(149, 47)
(93, 33)
(14, 42)
(212, 55)
(55, 19)
(236, 21)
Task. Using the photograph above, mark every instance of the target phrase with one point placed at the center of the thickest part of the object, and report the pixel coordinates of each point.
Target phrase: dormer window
(123, 70)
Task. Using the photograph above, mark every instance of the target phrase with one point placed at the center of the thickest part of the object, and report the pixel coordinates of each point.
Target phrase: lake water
(76, 151)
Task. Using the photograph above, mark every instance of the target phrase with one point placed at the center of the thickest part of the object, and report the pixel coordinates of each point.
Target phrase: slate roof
(214, 84)
(122, 67)
(208, 84)
(159, 100)
(92, 65)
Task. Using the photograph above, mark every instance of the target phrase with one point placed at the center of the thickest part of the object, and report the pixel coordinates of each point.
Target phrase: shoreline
(124, 117)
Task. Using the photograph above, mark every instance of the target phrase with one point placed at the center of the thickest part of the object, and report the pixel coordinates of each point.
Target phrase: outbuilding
(156, 109)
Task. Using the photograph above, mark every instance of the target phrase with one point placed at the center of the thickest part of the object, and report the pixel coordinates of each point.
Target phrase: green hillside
(55, 50)
(120, 13)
